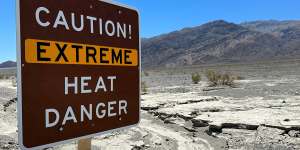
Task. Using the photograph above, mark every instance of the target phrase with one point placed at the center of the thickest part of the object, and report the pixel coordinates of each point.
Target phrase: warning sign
(78, 70)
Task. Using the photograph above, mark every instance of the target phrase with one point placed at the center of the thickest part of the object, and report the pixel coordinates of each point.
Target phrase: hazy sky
(163, 16)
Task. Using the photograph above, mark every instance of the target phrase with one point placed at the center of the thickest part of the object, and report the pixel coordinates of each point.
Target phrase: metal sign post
(85, 144)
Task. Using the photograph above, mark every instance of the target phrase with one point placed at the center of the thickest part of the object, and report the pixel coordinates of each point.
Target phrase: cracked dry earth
(261, 112)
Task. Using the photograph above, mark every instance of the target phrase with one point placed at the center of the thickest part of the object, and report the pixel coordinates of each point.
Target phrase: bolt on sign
(78, 70)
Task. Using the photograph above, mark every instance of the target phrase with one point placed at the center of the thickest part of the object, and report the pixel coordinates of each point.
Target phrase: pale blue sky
(163, 16)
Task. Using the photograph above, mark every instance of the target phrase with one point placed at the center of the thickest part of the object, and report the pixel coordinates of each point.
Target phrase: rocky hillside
(221, 41)
(8, 64)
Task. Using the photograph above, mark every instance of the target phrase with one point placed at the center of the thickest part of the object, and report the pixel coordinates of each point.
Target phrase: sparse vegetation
(144, 87)
(7, 74)
(227, 79)
(212, 77)
(196, 77)
(216, 78)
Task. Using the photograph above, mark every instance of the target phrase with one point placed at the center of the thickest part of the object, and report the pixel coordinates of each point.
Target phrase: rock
(268, 132)
(271, 138)
(162, 116)
(198, 100)
(148, 108)
(169, 121)
(294, 133)
(135, 147)
(239, 126)
(215, 128)
(186, 118)
(236, 142)
(194, 113)
(212, 109)
(267, 135)
(212, 89)
(254, 117)
(199, 123)
(189, 129)
(139, 146)
(8, 143)
(10, 102)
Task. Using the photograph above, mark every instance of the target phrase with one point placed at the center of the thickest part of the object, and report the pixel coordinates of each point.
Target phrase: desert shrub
(212, 77)
(227, 79)
(216, 78)
(196, 77)
(144, 87)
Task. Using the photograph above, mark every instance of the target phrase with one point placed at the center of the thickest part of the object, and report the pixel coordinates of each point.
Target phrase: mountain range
(8, 64)
(220, 41)
(223, 42)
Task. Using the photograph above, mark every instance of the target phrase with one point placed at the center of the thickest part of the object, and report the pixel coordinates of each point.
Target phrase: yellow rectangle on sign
(54, 52)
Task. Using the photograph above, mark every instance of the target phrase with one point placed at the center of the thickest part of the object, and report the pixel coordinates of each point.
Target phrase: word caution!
(94, 24)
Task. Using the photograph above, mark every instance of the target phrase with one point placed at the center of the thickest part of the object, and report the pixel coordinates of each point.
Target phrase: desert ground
(261, 111)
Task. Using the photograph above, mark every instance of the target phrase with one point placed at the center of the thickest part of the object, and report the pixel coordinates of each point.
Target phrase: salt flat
(260, 112)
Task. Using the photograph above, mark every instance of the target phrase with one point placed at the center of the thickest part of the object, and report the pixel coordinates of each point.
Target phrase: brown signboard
(78, 70)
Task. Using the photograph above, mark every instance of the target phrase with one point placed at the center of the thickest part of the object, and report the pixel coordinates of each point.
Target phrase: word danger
(86, 112)
(73, 114)
(70, 22)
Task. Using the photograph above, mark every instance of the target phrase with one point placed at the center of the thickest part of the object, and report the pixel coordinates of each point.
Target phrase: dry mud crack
(243, 116)
(286, 139)
(262, 113)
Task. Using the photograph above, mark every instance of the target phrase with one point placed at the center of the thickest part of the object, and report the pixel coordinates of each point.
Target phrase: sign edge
(19, 84)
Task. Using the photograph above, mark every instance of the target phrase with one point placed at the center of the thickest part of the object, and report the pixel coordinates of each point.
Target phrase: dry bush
(216, 78)
(196, 77)
(212, 77)
(227, 79)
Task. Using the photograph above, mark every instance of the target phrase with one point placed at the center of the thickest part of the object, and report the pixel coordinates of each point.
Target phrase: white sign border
(19, 85)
